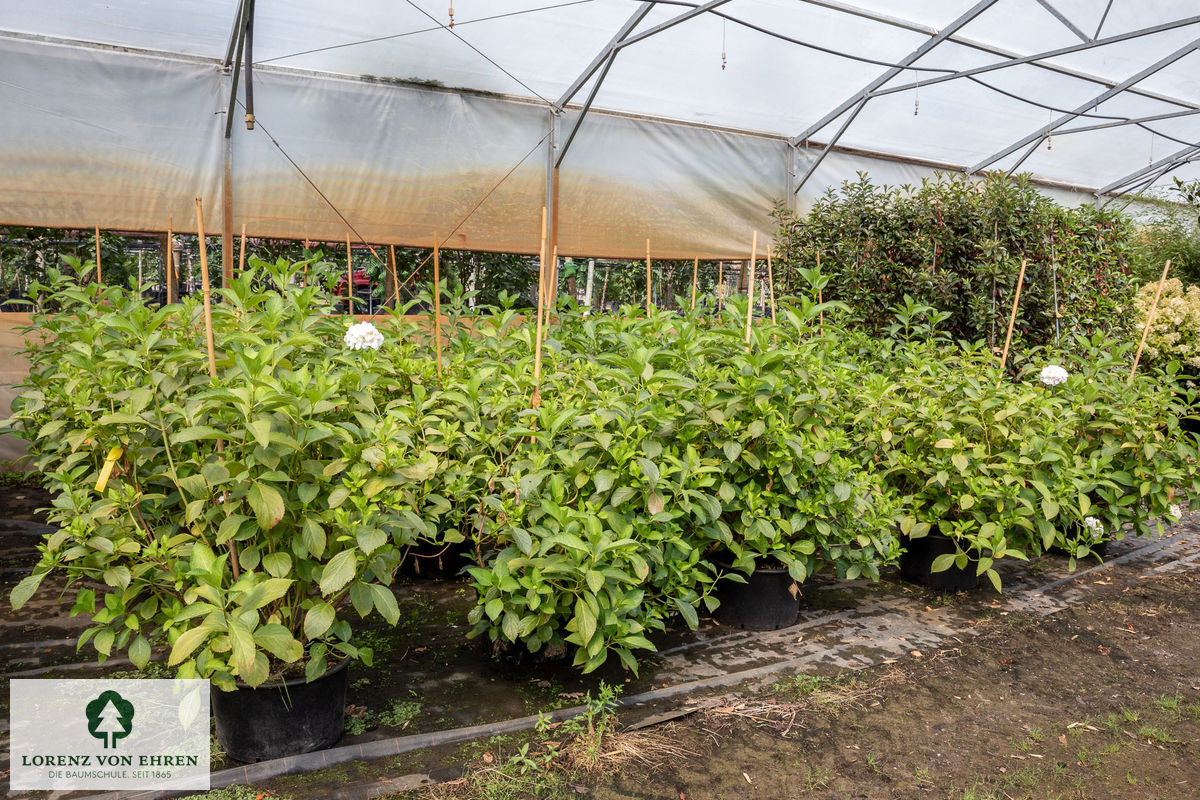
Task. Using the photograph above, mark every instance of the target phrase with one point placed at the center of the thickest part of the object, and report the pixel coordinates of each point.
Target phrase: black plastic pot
(282, 719)
(916, 564)
(432, 560)
(767, 601)
(1098, 548)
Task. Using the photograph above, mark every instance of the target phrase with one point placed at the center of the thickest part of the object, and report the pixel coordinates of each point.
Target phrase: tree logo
(110, 717)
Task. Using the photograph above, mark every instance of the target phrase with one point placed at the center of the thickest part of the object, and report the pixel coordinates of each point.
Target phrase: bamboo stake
(720, 283)
(647, 277)
(395, 277)
(99, 277)
(169, 265)
(1012, 318)
(750, 288)
(208, 326)
(437, 304)
(771, 283)
(212, 351)
(695, 275)
(242, 252)
(536, 399)
(1149, 321)
(349, 279)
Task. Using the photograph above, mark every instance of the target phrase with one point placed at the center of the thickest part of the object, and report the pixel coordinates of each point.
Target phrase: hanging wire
(1151, 160)
(917, 99)
(451, 15)
(724, 23)
(1050, 133)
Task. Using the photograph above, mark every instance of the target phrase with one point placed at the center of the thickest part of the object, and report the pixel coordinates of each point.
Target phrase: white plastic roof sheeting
(375, 116)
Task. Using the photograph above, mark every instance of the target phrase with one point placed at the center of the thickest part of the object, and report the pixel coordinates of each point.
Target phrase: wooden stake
(695, 275)
(169, 266)
(99, 277)
(720, 283)
(771, 283)
(647, 277)
(437, 304)
(536, 399)
(1149, 321)
(204, 282)
(750, 288)
(349, 279)
(1012, 318)
(242, 252)
(395, 278)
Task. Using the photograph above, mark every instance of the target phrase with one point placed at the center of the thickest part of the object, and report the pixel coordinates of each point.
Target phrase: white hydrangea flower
(363, 336)
(1175, 512)
(1094, 528)
(1053, 375)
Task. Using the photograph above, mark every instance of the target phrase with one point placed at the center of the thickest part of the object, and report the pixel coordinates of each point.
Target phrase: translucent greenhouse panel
(93, 137)
(194, 27)
(694, 193)
(380, 155)
(383, 158)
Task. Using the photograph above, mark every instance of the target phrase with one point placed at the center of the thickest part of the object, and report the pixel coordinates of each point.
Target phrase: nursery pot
(767, 601)
(916, 564)
(282, 719)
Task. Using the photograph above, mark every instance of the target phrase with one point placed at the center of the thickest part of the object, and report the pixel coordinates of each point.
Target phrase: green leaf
(277, 564)
(1049, 509)
(318, 620)
(314, 537)
(189, 640)
(25, 589)
(943, 562)
(960, 461)
(279, 642)
(371, 539)
(338, 572)
(966, 501)
(688, 612)
(267, 504)
(732, 450)
(196, 432)
(385, 602)
(586, 619)
(139, 652)
(261, 429)
(242, 648)
(267, 591)
(944, 444)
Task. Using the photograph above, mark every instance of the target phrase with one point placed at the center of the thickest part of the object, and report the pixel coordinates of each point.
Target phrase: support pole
(207, 288)
(242, 252)
(536, 399)
(771, 283)
(695, 276)
(720, 284)
(1149, 321)
(169, 265)
(587, 291)
(395, 277)
(349, 279)
(99, 277)
(647, 277)
(750, 288)
(1012, 317)
(227, 216)
(437, 304)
